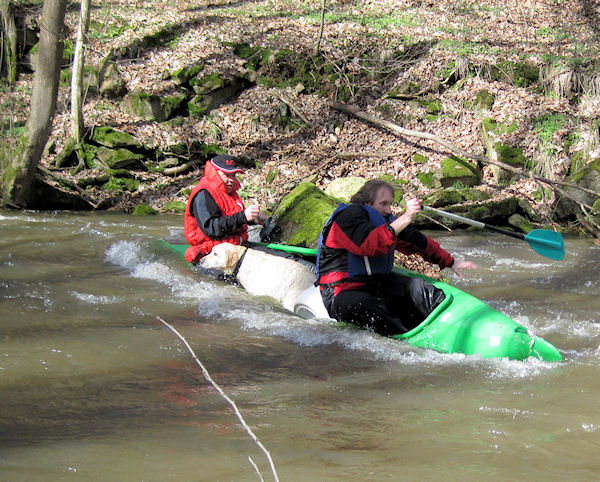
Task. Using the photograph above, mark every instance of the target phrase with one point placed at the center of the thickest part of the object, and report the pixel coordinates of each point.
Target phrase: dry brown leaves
(509, 29)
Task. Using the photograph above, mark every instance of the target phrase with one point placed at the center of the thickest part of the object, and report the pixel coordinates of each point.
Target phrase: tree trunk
(77, 121)
(9, 41)
(317, 49)
(19, 176)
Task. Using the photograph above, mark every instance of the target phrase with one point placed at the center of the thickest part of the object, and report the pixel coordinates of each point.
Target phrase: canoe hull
(460, 324)
(465, 324)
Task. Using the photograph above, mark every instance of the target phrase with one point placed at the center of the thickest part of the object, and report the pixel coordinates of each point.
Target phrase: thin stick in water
(229, 400)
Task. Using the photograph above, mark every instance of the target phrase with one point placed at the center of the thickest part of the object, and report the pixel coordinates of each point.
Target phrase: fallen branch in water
(229, 400)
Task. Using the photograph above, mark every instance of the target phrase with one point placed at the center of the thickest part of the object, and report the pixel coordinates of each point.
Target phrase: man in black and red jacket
(356, 256)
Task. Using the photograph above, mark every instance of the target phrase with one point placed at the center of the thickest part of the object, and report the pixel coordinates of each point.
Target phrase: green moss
(433, 107)
(547, 125)
(144, 210)
(86, 154)
(519, 74)
(110, 137)
(445, 197)
(118, 158)
(490, 125)
(581, 173)
(510, 155)
(119, 184)
(454, 166)
(419, 159)
(302, 214)
(183, 76)
(198, 106)
(177, 206)
(484, 99)
(271, 175)
(172, 104)
(426, 178)
(207, 84)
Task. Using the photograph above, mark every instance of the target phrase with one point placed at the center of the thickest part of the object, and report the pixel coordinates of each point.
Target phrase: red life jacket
(200, 243)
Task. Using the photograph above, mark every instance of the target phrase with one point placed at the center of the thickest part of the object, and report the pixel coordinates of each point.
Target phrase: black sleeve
(211, 220)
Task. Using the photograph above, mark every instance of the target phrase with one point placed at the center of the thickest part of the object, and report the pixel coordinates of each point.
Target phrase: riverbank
(422, 67)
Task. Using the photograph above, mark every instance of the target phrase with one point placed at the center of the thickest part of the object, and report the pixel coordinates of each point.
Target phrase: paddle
(543, 241)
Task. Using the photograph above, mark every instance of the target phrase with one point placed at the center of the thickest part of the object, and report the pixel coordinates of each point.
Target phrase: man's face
(383, 202)
(228, 180)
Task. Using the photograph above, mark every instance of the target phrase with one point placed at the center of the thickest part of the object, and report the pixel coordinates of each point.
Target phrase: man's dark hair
(368, 193)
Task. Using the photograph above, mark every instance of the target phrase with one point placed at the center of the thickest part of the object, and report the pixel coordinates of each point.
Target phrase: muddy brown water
(94, 387)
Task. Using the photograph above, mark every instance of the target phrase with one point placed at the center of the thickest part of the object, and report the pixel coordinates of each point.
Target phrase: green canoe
(460, 324)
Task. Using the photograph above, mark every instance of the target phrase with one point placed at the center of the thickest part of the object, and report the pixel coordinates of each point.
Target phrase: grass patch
(462, 48)
(545, 126)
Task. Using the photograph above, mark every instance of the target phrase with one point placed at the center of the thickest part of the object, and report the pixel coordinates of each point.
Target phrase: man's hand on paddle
(254, 214)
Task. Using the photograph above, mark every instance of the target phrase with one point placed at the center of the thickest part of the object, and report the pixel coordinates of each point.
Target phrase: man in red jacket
(356, 256)
(215, 213)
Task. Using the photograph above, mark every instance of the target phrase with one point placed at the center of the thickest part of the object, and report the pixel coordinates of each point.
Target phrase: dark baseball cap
(227, 164)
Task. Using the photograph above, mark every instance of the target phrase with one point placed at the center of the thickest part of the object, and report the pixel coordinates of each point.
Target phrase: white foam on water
(254, 314)
(520, 263)
(142, 264)
(95, 299)
(322, 332)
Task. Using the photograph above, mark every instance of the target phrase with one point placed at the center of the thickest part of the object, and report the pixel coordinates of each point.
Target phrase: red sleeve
(430, 250)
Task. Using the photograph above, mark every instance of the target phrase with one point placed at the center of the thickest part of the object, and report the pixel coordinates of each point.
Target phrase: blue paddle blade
(547, 243)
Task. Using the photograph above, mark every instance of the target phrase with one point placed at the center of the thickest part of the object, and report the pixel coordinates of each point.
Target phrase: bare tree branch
(355, 111)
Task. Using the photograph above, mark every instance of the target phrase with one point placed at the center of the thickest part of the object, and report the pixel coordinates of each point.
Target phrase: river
(95, 387)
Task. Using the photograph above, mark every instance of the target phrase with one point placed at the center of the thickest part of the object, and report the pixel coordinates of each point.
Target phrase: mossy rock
(86, 154)
(77, 156)
(511, 155)
(520, 222)
(143, 209)
(118, 158)
(111, 82)
(343, 188)
(587, 177)
(145, 106)
(120, 184)
(446, 197)
(66, 157)
(199, 106)
(207, 84)
(202, 104)
(176, 206)
(455, 170)
(302, 214)
(443, 197)
(496, 213)
(184, 75)
(110, 137)
(498, 151)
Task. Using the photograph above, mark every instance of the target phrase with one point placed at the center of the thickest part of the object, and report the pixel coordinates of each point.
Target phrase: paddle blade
(547, 243)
